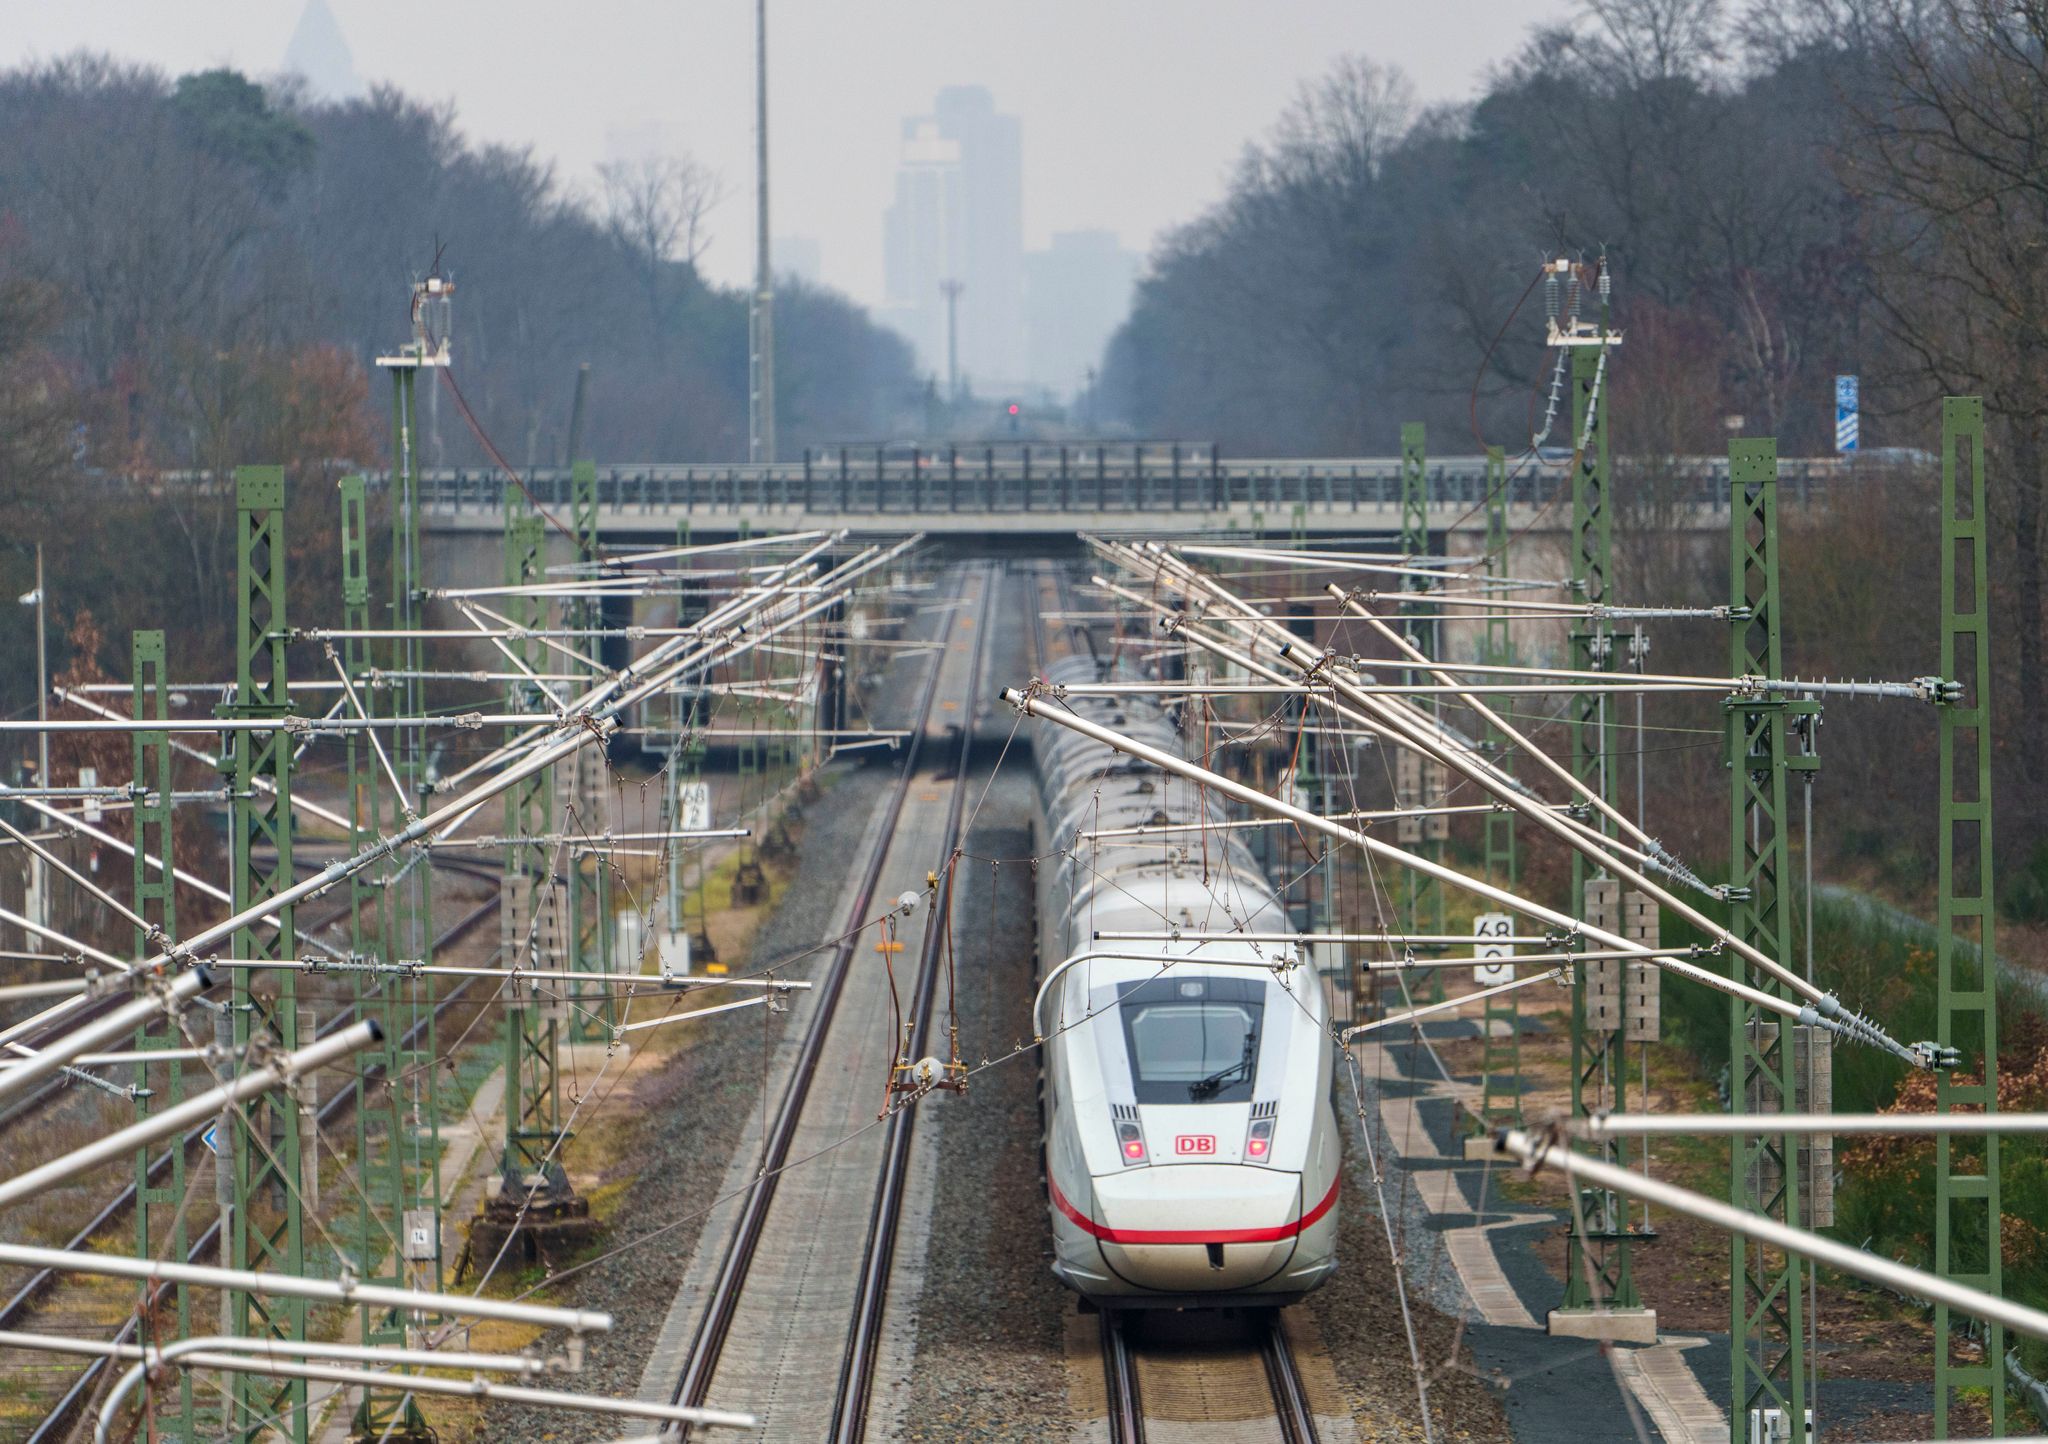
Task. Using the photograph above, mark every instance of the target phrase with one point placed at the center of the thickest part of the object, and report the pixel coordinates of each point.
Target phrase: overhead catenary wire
(1834, 1018)
(600, 722)
(1393, 715)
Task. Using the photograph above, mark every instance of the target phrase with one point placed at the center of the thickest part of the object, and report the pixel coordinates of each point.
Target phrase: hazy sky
(1133, 110)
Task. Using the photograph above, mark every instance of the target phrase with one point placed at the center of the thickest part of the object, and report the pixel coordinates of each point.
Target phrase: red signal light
(1015, 409)
(1133, 1141)
(1259, 1139)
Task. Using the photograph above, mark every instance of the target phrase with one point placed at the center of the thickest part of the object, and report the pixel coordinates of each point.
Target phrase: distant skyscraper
(959, 216)
(320, 53)
(1076, 293)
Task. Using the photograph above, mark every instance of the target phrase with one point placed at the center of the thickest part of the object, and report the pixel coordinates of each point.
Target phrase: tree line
(1784, 192)
(198, 272)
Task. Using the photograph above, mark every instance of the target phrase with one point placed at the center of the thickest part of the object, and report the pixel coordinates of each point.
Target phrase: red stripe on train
(1191, 1235)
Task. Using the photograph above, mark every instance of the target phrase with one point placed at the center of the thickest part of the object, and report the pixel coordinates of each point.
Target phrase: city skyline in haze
(1136, 112)
(957, 223)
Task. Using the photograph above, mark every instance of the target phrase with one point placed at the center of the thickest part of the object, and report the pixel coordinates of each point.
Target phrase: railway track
(856, 1375)
(1192, 1377)
(1049, 587)
(1191, 1385)
(24, 1300)
(733, 1312)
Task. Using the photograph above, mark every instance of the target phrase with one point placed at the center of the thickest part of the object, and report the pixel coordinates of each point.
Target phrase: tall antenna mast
(761, 315)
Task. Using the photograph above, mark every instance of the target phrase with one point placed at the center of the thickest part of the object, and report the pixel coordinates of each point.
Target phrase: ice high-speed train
(1191, 1150)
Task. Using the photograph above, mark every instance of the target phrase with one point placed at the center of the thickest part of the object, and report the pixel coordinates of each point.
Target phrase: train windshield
(1193, 1040)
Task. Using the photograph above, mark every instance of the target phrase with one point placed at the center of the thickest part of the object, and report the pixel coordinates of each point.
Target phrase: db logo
(1195, 1143)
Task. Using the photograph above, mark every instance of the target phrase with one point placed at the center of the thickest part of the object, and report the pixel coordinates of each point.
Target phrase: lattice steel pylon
(397, 1150)
(1968, 1202)
(1767, 1298)
(267, 1229)
(409, 904)
(159, 1220)
(686, 760)
(409, 898)
(531, 931)
(590, 914)
(1501, 1021)
(1425, 777)
(1598, 1271)
(1598, 1258)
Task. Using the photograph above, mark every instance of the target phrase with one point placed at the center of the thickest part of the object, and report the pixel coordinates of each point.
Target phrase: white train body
(1191, 1150)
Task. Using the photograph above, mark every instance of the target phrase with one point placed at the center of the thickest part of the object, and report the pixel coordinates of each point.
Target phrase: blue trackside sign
(1846, 413)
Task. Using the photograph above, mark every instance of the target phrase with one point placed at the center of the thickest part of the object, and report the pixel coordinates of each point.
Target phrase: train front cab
(1161, 1199)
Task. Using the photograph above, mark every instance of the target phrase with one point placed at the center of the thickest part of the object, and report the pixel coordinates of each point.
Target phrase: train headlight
(1131, 1142)
(1259, 1142)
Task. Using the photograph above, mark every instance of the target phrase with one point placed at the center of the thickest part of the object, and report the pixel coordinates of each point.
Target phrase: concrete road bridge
(1020, 496)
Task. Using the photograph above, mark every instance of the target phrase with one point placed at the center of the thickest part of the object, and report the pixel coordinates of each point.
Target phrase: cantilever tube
(1581, 1167)
(280, 1285)
(192, 1111)
(416, 1383)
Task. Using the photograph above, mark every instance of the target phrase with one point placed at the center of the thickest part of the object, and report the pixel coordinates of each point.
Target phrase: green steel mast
(590, 920)
(1968, 1197)
(1597, 1271)
(1768, 1303)
(398, 1213)
(1423, 778)
(532, 931)
(159, 1217)
(1501, 1023)
(267, 1229)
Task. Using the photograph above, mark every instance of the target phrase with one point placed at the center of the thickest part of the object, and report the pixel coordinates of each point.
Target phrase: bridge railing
(1075, 479)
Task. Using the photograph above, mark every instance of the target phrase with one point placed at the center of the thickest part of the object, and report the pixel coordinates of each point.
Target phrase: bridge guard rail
(988, 480)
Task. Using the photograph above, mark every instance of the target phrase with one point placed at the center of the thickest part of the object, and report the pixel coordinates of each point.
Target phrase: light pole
(761, 316)
(39, 878)
(952, 289)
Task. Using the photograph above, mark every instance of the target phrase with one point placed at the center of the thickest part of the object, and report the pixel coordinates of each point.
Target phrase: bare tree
(1341, 128)
(1953, 159)
(654, 210)
(1653, 40)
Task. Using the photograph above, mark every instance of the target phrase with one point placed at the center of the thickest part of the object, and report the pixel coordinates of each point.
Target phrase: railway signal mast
(397, 1113)
(1600, 1288)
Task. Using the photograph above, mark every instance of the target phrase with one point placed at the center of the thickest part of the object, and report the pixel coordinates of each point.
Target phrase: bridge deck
(1020, 493)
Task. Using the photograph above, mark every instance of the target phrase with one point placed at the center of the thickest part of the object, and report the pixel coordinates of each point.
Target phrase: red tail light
(1259, 1142)
(1132, 1141)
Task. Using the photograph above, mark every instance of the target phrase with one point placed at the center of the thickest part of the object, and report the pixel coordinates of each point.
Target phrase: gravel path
(1358, 1312)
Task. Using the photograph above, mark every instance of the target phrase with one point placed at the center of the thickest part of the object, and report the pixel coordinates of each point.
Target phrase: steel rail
(1126, 1413)
(1125, 1402)
(864, 1334)
(715, 1324)
(1120, 1382)
(1290, 1396)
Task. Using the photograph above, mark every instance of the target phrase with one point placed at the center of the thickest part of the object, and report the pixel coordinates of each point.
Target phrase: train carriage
(1191, 1150)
